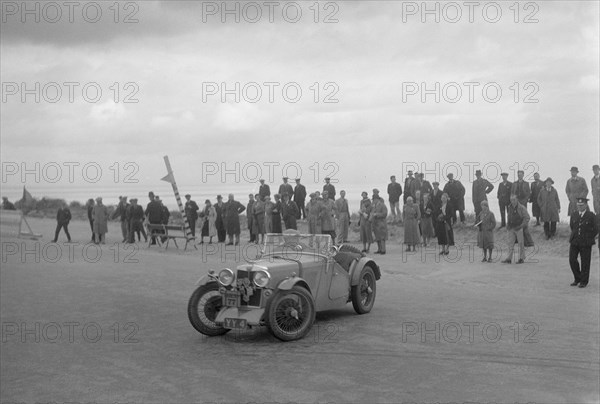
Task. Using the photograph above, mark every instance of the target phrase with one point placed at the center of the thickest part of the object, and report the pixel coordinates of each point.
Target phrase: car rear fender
(289, 283)
(358, 266)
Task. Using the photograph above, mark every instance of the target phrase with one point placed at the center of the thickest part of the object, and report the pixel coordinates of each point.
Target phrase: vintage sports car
(295, 276)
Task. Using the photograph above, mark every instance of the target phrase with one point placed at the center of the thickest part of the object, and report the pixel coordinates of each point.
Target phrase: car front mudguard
(358, 266)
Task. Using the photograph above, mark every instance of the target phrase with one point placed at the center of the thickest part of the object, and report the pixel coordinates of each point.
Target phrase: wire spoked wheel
(203, 307)
(363, 294)
(291, 314)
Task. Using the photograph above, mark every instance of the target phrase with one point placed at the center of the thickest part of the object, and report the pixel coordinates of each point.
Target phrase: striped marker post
(171, 179)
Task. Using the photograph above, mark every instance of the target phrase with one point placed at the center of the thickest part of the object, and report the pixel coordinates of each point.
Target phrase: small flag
(27, 198)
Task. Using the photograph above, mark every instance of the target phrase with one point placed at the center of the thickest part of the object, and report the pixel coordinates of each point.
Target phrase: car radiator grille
(250, 294)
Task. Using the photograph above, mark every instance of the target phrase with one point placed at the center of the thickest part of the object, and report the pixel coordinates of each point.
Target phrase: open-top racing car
(294, 276)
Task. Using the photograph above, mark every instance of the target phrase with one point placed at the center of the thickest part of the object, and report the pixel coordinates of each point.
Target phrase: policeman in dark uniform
(583, 233)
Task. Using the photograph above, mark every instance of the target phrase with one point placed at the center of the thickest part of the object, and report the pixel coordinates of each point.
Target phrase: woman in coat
(411, 216)
(313, 214)
(378, 223)
(443, 225)
(209, 227)
(427, 231)
(276, 226)
(269, 206)
(366, 233)
(100, 215)
(485, 237)
(549, 207)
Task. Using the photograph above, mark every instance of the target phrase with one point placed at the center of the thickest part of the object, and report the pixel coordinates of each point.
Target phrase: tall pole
(171, 178)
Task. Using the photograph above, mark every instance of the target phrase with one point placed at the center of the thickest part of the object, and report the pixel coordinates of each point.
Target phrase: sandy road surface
(439, 332)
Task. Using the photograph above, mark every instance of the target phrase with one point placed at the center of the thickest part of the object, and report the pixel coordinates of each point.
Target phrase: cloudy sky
(366, 115)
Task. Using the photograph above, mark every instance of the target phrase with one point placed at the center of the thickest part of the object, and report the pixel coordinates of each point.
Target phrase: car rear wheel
(203, 307)
(363, 294)
(291, 314)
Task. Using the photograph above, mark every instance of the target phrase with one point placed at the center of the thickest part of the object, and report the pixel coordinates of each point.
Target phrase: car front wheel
(204, 304)
(291, 314)
(363, 294)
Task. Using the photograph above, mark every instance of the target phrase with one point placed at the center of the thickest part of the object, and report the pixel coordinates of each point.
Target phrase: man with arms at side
(394, 191)
(583, 233)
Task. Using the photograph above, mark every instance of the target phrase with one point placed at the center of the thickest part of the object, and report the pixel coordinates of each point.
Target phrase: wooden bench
(169, 232)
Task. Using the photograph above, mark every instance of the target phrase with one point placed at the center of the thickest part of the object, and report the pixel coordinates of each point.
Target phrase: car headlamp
(226, 277)
(261, 278)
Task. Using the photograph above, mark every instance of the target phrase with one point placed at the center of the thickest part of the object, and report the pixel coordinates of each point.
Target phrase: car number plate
(232, 299)
(236, 323)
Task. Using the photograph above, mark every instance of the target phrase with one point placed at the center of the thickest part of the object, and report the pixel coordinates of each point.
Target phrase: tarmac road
(459, 331)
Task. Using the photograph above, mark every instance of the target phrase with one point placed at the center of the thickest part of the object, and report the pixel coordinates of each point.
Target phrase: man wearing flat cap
(408, 185)
(536, 187)
(576, 188)
(263, 190)
(191, 212)
(300, 198)
(503, 194)
(549, 207)
(481, 187)
(285, 188)
(583, 233)
(521, 188)
(456, 193)
(595, 181)
(329, 188)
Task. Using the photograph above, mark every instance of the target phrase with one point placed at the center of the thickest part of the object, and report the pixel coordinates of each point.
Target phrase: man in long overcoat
(575, 188)
(549, 208)
(231, 213)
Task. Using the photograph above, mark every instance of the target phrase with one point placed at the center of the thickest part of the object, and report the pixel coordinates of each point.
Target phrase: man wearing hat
(503, 195)
(378, 222)
(231, 213)
(154, 213)
(121, 212)
(536, 187)
(394, 191)
(521, 188)
(135, 213)
(549, 205)
(220, 221)
(424, 186)
(583, 233)
(481, 187)
(456, 193)
(518, 218)
(595, 181)
(436, 195)
(329, 188)
(408, 185)
(263, 190)
(100, 214)
(576, 188)
(299, 198)
(285, 188)
(191, 212)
